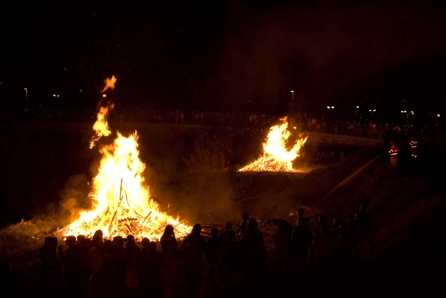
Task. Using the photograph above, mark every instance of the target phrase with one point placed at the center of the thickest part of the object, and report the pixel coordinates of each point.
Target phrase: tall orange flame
(121, 201)
(276, 157)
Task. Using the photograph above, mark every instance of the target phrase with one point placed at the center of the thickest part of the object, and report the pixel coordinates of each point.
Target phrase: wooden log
(117, 208)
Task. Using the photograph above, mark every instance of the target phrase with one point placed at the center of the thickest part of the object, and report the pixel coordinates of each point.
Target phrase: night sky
(230, 55)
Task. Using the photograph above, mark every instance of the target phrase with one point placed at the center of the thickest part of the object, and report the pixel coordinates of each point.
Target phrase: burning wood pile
(121, 201)
(277, 156)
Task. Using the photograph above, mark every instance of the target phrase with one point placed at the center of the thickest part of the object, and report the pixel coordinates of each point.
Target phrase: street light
(292, 100)
(26, 92)
(407, 115)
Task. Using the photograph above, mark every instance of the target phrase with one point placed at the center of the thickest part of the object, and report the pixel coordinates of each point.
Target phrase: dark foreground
(244, 262)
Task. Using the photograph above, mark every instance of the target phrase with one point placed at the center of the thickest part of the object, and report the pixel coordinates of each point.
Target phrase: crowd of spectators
(232, 261)
(303, 122)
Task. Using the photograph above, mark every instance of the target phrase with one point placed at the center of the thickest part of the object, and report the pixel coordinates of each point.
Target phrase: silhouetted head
(245, 216)
(71, 240)
(97, 237)
(322, 217)
(145, 242)
(214, 232)
(196, 229)
(131, 244)
(51, 242)
(129, 237)
(168, 230)
(228, 226)
(118, 241)
(300, 212)
(80, 239)
(275, 221)
(152, 246)
(98, 234)
(231, 235)
(252, 224)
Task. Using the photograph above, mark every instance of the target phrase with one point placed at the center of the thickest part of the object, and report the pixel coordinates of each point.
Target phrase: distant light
(370, 110)
(292, 91)
(294, 127)
(57, 95)
(104, 95)
(357, 107)
(412, 112)
(332, 107)
(54, 95)
(374, 110)
(80, 90)
(328, 107)
(438, 115)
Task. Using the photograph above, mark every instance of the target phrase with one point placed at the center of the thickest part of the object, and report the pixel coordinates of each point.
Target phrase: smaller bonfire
(277, 156)
(121, 201)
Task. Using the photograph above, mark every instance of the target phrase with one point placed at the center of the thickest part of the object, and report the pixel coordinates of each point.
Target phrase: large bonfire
(277, 155)
(121, 201)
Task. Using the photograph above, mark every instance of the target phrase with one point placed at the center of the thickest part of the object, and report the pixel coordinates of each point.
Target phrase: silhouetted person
(363, 234)
(300, 214)
(287, 227)
(212, 250)
(230, 258)
(321, 221)
(94, 254)
(193, 247)
(107, 248)
(72, 261)
(51, 278)
(171, 273)
(148, 268)
(301, 242)
(283, 252)
(131, 277)
(104, 281)
(322, 250)
(342, 250)
(244, 222)
(119, 255)
(252, 250)
(222, 237)
(168, 239)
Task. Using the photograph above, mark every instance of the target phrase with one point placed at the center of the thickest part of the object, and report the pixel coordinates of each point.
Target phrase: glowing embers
(121, 201)
(278, 155)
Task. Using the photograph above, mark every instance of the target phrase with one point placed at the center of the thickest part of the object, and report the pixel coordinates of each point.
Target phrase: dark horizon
(237, 55)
